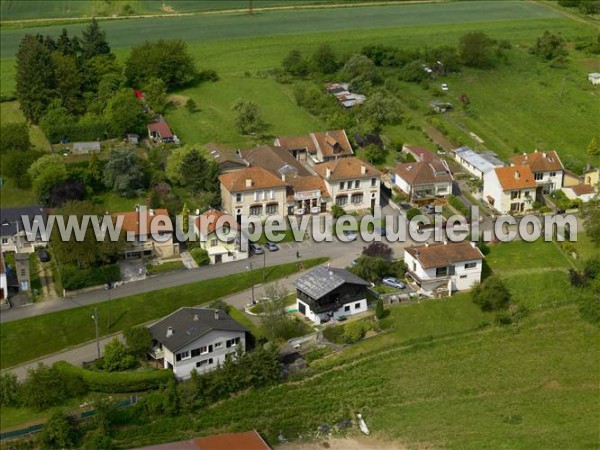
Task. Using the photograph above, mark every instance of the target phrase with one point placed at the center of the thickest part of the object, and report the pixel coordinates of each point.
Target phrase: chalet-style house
(223, 248)
(547, 169)
(440, 269)
(317, 147)
(510, 189)
(13, 232)
(477, 164)
(253, 191)
(195, 339)
(423, 181)
(352, 184)
(227, 158)
(140, 225)
(325, 293)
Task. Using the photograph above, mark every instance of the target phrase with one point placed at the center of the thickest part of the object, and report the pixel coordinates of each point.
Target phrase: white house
(477, 164)
(510, 189)
(218, 235)
(440, 269)
(423, 181)
(594, 78)
(547, 169)
(14, 233)
(195, 339)
(326, 293)
(583, 192)
(352, 184)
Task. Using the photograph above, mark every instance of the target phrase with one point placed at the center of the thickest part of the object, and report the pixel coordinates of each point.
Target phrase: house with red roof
(510, 190)
(547, 169)
(218, 234)
(159, 131)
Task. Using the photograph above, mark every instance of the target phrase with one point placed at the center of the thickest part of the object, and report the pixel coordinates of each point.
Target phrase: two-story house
(307, 195)
(195, 339)
(440, 269)
(13, 231)
(546, 167)
(423, 181)
(325, 293)
(317, 147)
(352, 184)
(510, 189)
(218, 235)
(149, 233)
(253, 191)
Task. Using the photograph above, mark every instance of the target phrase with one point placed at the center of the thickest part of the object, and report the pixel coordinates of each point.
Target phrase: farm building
(477, 164)
(84, 148)
(594, 78)
(440, 107)
(346, 98)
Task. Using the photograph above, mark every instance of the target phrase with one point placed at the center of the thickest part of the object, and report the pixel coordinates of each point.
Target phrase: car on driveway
(44, 255)
(256, 249)
(393, 282)
(350, 235)
(271, 246)
(429, 209)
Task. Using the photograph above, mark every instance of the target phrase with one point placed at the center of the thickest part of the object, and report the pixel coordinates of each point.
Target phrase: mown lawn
(11, 196)
(48, 333)
(521, 256)
(10, 112)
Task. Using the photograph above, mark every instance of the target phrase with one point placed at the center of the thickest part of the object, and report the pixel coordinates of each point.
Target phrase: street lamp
(95, 319)
(249, 267)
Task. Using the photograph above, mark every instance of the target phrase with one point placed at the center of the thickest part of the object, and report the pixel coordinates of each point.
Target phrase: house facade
(352, 184)
(13, 232)
(510, 190)
(195, 339)
(583, 192)
(307, 195)
(440, 269)
(325, 293)
(139, 226)
(253, 191)
(423, 181)
(220, 249)
(546, 167)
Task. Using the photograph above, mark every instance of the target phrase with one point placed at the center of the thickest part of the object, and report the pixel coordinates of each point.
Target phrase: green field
(10, 112)
(47, 333)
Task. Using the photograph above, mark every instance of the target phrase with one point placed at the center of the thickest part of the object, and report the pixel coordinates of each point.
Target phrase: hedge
(74, 278)
(460, 206)
(117, 382)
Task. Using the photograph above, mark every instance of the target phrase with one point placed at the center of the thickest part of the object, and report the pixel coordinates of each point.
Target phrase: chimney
(426, 244)
(137, 208)
(363, 169)
(248, 182)
(327, 172)
(195, 317)
(197, 212)
(283, 177)
(544, 154)
(217, 317)
(151, 212)
(517, 175)
(169, 332)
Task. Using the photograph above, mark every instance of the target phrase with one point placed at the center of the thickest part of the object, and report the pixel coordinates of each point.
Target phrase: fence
(77, 415)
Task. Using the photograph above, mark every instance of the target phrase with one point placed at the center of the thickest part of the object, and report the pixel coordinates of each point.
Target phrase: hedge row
(75, 278)
(459, 206)
(77, 131)
(117, 382)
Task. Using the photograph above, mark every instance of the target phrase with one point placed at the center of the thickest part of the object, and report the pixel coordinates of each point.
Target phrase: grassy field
(10, 112)
(47, 334)
(10, 195)
(521, 256)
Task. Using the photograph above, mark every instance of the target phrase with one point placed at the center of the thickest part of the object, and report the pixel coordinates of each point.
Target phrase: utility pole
(264, 263)
(109, 287)
(95, 317)
(252, 280)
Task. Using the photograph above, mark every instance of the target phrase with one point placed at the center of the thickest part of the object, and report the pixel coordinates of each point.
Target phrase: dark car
(44, 256)
(271, 246)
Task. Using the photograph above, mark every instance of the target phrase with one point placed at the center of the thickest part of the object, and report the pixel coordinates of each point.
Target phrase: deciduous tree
(138, 340)
(324, 59)
(475, 49)
(45, 173)
(491, 295)
(248, 119)
(125, 113)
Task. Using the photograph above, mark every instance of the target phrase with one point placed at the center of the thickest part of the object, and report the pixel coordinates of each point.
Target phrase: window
(218, 345)
(341, 200)
(213, 242)
(356, 184)
(373, 182)
(272, 208)
(182, 356)
(5, 240)
(470, 265)
(538, 176)
(256, 210)
(232, 342)
(204, 362)
(23, 272)
(256, 196)
(238, 197)
(272, 194)
(347, 308)
(441, 272)
(463, 276)
(264, 195)
(515, 194)
(552, 174)
(357, 198)
(357, 306)
(341, 185)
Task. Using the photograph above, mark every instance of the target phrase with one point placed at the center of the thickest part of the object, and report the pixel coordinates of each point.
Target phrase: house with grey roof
(477, 164)
(195, 339)
(326, 293)
(23, 229)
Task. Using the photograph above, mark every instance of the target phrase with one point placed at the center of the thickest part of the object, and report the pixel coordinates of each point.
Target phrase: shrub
(354, 332)
(334, 334)
(138, 340)
(208, 75)
(200, 256)
(117, 382)
(57, 432)
(9, 389)
(337, 211)
(98, 440)
(45, 387)
(379, 310)
(412, 212)
(459, 206)
(117, 356)
(491, 295)
(76, 278)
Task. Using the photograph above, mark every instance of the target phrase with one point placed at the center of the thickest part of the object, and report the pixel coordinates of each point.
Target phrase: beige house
(253, 191)
(352, 184)
(317, 147)
(424, 181)
(546, 167)
(592, 178)
(510, 189)
(224, 248)
(141, 227)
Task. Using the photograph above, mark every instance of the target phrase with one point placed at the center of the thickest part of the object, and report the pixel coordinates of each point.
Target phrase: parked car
(271, 246)
(256, 249)
(381, 231)
(444, 87)
(393, 282)
(44, 255)
(350, 235)
(429, 209)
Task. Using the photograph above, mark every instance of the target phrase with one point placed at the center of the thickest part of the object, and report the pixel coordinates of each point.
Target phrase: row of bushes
(459, 206)
(347, 334)
(75, 278)
(116, 382)
(89, 129)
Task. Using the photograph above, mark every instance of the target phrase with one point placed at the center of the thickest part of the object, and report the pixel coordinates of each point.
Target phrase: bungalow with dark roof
(160, 131)
(440, 269)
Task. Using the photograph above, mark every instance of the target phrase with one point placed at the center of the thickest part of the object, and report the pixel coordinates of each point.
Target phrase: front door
(218, 259)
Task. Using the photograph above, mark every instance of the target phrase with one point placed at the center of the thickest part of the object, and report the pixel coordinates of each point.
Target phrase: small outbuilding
(594, 78)
(84, 148)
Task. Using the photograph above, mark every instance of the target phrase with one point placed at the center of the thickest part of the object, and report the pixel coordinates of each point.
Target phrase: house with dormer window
(547, 169)
(510, 190)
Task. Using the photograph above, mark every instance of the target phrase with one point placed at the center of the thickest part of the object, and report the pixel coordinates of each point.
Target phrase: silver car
(393, 282)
